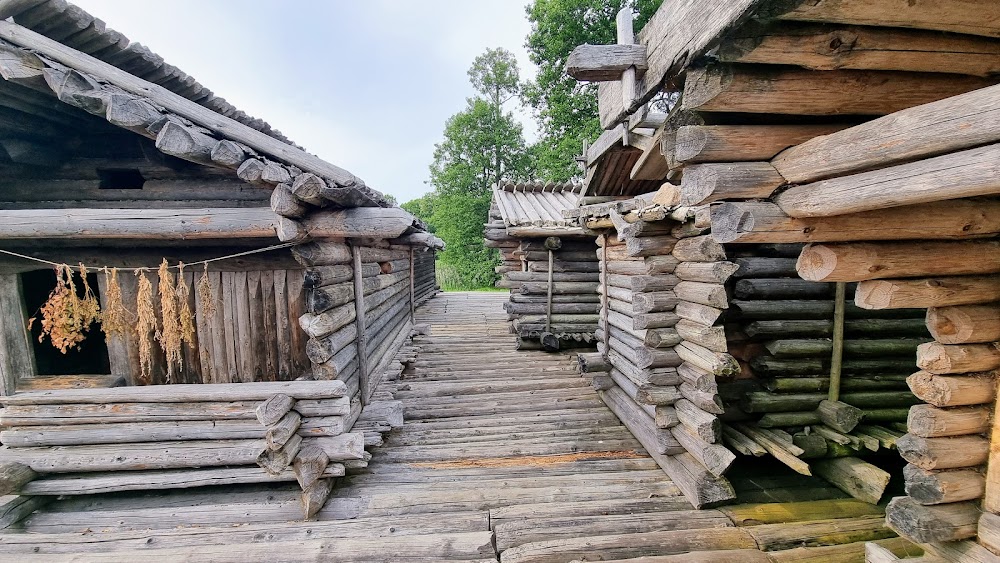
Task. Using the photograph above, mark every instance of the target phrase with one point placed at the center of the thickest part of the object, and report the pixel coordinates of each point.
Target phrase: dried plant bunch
(145, 326)
(66, 315)
(169, 336)
(115, 318)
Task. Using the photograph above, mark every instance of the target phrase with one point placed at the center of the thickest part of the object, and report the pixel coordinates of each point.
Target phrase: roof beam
(605, 63)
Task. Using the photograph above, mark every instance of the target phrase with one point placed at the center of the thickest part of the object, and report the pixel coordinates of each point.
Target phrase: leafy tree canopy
(565, 108)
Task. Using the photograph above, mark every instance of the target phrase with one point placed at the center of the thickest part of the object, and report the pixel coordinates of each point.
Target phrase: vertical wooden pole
(548, 300)
(991, 500)
(412, 275)
(837, 357)
(604, 293)
(626, 36)
(359, 309)
(17, 355)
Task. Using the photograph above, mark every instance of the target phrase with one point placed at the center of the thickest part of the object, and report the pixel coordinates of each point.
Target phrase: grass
(449, 280)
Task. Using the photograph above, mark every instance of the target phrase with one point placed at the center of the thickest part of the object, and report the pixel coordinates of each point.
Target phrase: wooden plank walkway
(504, 454)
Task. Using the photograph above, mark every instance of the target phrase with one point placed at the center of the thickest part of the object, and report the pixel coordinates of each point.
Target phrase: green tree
(482, 145)
(566, 109)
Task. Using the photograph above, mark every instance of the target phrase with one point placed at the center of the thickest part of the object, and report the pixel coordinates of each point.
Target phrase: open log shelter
(797, 255)
(548, 264)
(263, 294)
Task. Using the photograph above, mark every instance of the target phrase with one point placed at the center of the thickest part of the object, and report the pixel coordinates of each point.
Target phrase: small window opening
(120, 179)
(92, 356)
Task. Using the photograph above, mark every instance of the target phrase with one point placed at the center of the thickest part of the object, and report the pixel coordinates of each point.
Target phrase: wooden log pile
(89, 441)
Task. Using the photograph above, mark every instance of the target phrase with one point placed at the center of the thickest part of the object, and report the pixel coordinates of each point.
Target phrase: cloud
(365, 85)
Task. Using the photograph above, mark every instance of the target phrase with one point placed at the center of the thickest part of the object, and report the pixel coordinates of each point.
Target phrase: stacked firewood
(88, 441)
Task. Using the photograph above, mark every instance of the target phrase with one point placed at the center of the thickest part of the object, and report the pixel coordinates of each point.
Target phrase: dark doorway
(92, 356)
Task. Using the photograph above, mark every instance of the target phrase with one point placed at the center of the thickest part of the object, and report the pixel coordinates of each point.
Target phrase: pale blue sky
(365, 85)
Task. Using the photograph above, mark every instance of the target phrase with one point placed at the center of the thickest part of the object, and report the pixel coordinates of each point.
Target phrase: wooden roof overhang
(55, 98)
(723, 58)
(535, 209)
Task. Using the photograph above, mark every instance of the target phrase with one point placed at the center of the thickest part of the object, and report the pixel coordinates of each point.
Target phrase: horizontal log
(741, 143)
(927, 421)
(182, 393)
(780, 288)
(698, 249)
(854, 476)
(816, 384)
(640, 424)
(711, 337)
(824, 329)
(953, 391)
(760, 402)
(942, 126)
(935, 357)
(151, 455)
(655, 302)
(964, 324)
(717, 363)
(603, 63)
(105, 413)
(710, 294)
(943, 453)
(754, 222)
(706, 272)
(768, 89)
(639, 284)
(702, 314)
(966, 173)
(865, 261)
(927, 292)
(923, 524)
(943, 487)
(157, 224)
(717, 459)
(801, 347)
(650, 246)
(706, 183)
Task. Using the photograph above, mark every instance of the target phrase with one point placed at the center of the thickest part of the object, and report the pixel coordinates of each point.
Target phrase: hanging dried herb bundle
(185, 314)
(207, 302)
(170, 335)
(66, 316)
(145, 325)
(115, 318)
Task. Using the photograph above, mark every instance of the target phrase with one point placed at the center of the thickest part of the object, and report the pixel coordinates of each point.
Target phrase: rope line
(155, 268)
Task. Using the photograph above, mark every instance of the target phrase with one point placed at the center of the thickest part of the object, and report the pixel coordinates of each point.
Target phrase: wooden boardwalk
(504, 453)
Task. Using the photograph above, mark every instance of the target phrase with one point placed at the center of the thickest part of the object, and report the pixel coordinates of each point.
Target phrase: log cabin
(547, 262)
(299, 281)
(816, 182)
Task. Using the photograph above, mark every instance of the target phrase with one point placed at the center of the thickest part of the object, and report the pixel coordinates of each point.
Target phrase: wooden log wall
(662, 290)
(524, 270)
(90, 441)
(783, 331)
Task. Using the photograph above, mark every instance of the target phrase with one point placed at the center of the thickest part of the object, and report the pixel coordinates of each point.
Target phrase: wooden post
(837, 357)
(359, 308)
(604, 292)
(17, 357)
(626, 36)
(412, 274)
(991, 500)
(548, 300)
